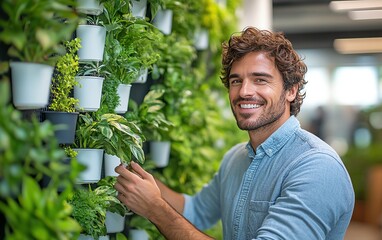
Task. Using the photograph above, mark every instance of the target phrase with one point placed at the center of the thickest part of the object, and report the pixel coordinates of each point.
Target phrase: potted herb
(34, 32)
(111, 133)
(91, 207)
(88, 91)
(62, 107)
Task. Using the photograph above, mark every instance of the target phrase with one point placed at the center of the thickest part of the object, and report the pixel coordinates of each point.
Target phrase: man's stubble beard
(264, 120)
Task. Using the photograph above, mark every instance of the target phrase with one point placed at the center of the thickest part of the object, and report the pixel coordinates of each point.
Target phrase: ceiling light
(354, 5)
(358, 45)
(365, 14)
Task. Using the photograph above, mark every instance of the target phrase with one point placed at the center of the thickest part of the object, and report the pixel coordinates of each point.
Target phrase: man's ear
(292, 93)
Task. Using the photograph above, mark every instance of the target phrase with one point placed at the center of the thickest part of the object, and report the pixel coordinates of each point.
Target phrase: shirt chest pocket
(258, 210)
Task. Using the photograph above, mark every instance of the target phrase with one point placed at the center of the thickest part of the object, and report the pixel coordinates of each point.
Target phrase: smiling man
(284, 183)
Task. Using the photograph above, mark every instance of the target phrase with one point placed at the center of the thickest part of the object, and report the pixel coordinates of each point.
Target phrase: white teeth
(249, 105)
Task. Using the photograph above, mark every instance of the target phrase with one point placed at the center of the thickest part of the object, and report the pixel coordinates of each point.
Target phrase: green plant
(30, 156)
(90, 206)
(27, 148)
(64, 80)
(96, 69)
(150, 118)
(35, 30)
(106, 185)
(113, 133)
(44, 209)
(89, 210)
(130, 46)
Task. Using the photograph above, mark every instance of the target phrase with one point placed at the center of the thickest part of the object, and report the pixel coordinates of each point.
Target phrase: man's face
(256, 93)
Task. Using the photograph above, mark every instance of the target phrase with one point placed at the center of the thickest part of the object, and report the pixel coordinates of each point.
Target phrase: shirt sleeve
(203, 209)
(316, 202)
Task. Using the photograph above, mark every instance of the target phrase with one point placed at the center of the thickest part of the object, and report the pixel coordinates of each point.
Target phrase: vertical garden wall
(172, 78)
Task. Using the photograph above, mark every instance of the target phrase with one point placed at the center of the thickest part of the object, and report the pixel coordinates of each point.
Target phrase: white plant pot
(201, 39)
(142, 78)
(138, 234)
(88, 237)
(160, 152)
(114, 222)
(163, 21)
(30, 84)
(110, 163)
(89, 7)
(139, 8)
(92, 42)
(123, 91)
(92, 159)
(88, 92)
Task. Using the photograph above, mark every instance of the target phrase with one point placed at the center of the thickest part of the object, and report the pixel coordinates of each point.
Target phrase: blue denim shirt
(294, 187)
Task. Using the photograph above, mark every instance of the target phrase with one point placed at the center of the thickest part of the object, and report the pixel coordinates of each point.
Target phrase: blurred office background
(341, 42)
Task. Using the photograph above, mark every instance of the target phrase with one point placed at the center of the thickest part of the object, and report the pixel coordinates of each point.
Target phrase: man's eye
(235, 81)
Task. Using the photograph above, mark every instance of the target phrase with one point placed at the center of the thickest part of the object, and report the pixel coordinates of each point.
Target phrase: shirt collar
(274, 142)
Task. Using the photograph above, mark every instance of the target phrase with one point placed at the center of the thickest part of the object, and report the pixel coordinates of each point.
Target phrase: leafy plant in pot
(90, 207)
(92, 34)
(130, 47)
(111, 133)
(34, 32)
(88, 91)
(63, 104)
(155, 126)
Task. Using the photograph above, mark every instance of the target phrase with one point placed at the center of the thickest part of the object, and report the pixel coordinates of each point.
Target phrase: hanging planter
(92, 159)
(163, 21)
(88, 237)
(160, 152)
(89, 7)
(110, 163)
(92, 42)
(88, 92)
(30, 84)
(66, 122)
(114, 222)
(201, 39)
(139, 8)
(123, 92)
(138, 234)
(142, 78)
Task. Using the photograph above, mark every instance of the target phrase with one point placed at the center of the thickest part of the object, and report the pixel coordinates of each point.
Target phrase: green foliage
(90, 206)
(130, 46)
(27, 148)
(113, 133)
(64, 80)
(150, 118)
(44, 209)
(89, 210)
(96, 69)
(35, 30)
(106, 186)
(30, 155)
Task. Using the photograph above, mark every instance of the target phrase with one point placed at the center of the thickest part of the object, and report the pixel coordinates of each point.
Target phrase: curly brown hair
(287, 61)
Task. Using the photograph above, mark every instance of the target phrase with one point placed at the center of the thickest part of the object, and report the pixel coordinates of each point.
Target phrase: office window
(355, 86)
(317, 88)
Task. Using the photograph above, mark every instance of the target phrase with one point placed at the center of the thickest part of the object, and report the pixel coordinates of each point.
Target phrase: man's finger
(139, 170)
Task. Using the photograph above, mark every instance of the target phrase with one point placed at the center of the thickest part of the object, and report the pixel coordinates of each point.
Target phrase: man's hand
(138, 190)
